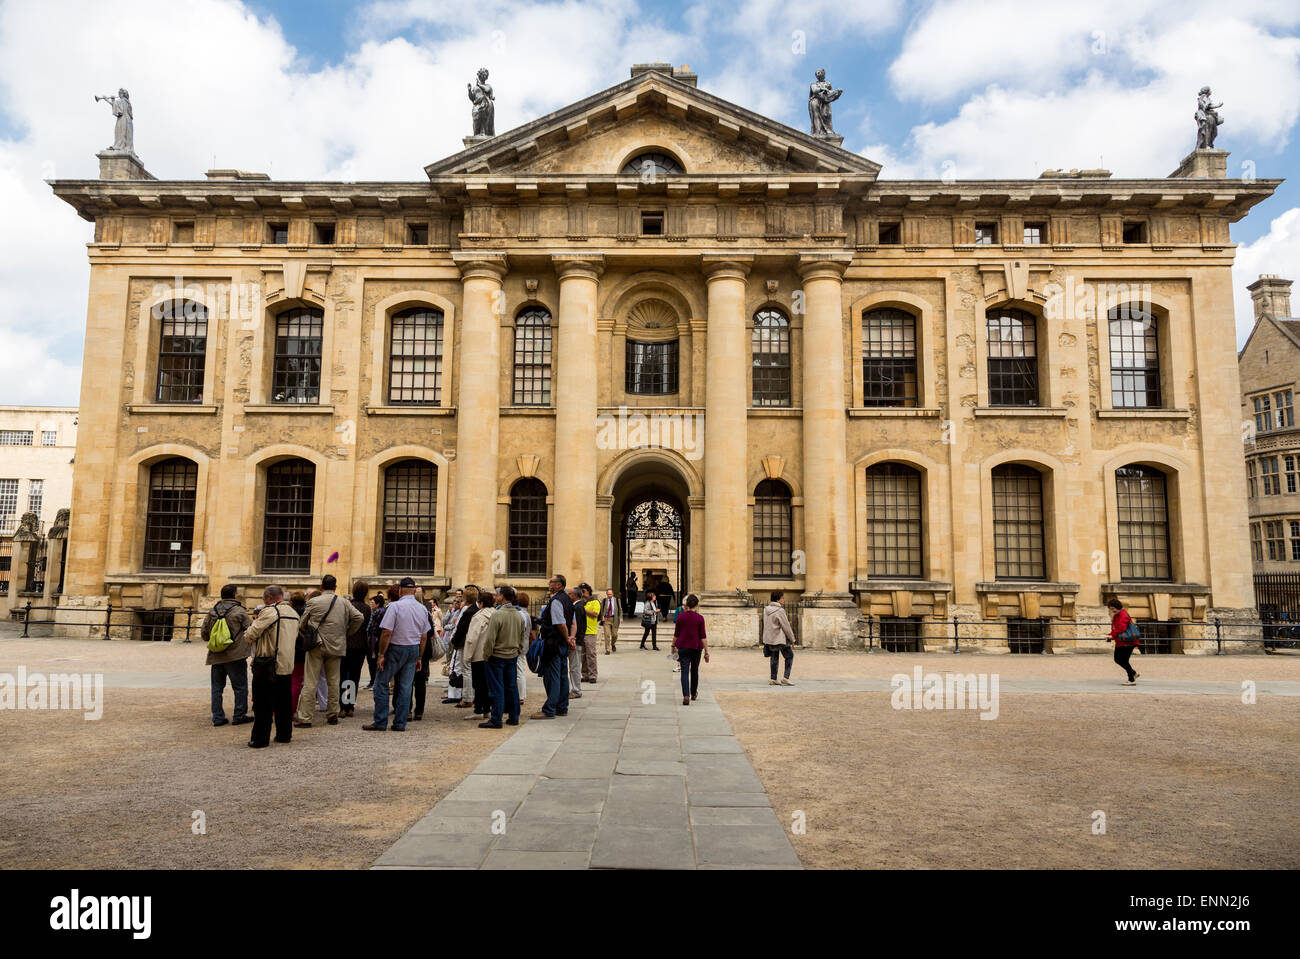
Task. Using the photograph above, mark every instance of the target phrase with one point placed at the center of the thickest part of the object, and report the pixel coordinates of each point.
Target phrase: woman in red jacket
(1124, 646)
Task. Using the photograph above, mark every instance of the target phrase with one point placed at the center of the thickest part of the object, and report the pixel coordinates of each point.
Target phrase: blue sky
(374, 90)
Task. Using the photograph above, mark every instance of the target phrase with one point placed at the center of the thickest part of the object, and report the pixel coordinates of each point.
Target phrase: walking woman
(650, 621)
(778, 637)
(691, 643)
(1124, 634)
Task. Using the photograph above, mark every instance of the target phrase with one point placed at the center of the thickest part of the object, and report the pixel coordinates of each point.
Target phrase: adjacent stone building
(1270, 378)
(1005, 400)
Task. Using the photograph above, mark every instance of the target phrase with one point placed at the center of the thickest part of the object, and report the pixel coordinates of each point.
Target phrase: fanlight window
(652, 165)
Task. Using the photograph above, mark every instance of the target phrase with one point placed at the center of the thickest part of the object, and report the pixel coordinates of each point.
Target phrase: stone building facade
(1000, 399)
(1270, 380)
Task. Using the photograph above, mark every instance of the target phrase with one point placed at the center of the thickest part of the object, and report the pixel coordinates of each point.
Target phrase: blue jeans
(503, 688)
(238, 673)
(555, 676)
(399, 664)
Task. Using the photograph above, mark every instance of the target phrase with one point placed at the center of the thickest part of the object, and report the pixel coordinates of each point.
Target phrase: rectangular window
(1284, 410)
(773, 531)
(893, 512)
(169, 515)
(277, 233)
(1295, 540)
(899, 635)
(891, 234)
(1135, 231)
(296, 376)
(1134, 359)
(324, 234)
(415, 357)
(182, 349)
(16, 437)
(1026, 635)
(1013, 359)
(986, 234)
(888, 358)
(1018, 550)
(1269, 475)
(1251, 487)
(652, 223)
(1291, 478)
(1034, 233)
(1256, 544)
(35, 496)
(1143, 510)
(290, 507)
(1263, 414)
(49, 437)
(1157, 637)
(651, 368)
(8, 504)
(417, 234)
(1274, 540)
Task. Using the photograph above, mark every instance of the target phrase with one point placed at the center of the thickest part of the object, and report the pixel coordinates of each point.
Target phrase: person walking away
(1124, 634)
(665, 594)
(357, 640)
(403, 632)
(610, 614)
(691, 643)
(333, 621)
(231, 662)
(578, 632)
(629, 595)
(650, 621)
(558, 645)
(589, 623)
(778, 637)
(475, 657)
(522, 600)
(372, 635)
(274, 635)
(502, 642)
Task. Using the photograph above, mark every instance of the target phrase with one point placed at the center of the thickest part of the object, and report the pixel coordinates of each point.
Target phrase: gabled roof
(655, 89)
(1289, 328)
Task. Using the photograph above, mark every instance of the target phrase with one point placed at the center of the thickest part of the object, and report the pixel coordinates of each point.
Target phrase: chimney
(1272, 296)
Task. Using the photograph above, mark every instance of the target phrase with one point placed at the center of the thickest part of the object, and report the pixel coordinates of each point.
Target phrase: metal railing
(150, 625)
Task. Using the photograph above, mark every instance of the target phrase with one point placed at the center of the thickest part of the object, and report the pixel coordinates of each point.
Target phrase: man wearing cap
(404, 630)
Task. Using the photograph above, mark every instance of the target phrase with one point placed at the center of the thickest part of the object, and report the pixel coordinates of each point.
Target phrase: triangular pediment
(654, 112)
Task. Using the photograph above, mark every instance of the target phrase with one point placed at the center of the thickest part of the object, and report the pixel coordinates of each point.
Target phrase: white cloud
(1277, 251)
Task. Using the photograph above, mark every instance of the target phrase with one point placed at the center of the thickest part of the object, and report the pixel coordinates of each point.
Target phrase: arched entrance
(650, 528)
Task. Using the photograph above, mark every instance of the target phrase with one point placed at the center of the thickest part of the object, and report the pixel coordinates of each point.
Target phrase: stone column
(732, 622)
(573, 533)
(474, 494)
(829, 617)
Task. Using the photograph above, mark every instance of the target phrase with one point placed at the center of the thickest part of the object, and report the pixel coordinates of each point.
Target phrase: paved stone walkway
(628, 780)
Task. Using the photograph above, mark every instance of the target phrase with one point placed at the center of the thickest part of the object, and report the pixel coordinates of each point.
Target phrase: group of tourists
(307, 651)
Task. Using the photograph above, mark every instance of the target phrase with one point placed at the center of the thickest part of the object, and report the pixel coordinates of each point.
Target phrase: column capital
(824, 265)
(476, 264)
(726, 266)
(570, 265)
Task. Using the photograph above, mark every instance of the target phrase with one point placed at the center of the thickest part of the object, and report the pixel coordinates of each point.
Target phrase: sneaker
(771, 682)
(575, 695)
(1136, 675)
(786, 682)
(1128, 682)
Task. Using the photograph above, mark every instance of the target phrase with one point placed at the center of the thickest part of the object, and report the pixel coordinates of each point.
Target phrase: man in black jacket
(559, 644)
(358, 641)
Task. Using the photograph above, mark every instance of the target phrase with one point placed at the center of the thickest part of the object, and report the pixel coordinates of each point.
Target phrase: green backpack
(219, 638)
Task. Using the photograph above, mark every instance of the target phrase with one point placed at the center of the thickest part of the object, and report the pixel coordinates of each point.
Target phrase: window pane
(651, 368)
(1143, 523)
(415, 357)
(527, 528)
(183, 326)
(1018, 523)
(888, 358)
(169, 516)
(773, 530)
(1134, 358)
(770, 346)
(296, 377)
(893, 521)
(409, 518)
(1013, 358)
(533, 358)
(290, 497)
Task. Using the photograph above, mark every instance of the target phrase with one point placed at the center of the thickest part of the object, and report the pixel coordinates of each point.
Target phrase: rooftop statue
(480, 94)
(124, 130)
(1208, 120)
(820, 98)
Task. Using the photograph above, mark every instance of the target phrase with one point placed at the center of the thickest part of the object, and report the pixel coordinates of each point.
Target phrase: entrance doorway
(650, 534)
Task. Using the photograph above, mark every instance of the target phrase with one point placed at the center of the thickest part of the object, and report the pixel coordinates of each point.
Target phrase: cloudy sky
(375, 90)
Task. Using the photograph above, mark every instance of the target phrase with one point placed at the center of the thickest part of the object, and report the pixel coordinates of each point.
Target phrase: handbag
(264, 666)
(437, 648)
(309, 635)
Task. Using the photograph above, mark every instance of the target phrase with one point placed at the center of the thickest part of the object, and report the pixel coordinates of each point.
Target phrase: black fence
(1278, 597)
(148, 625)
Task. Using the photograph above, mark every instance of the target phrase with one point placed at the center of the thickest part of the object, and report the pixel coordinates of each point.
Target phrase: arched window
(182, 348)
(526, 544)
(773, 530)
(169, 515)
(650, 166)
(888, 358)
(894, 522)
(770, 345)
(1013, 358)
(409, 517)
(533, 358)
(290, 504)
(415, 357)
(1018, 551)
(1134, 358)
(651, 368)
(296, 374)
(1143, 513)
